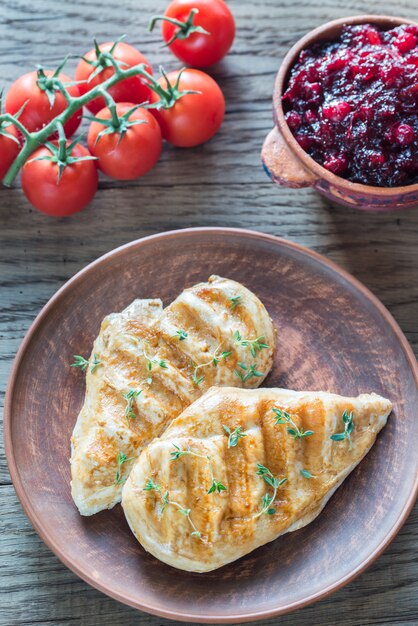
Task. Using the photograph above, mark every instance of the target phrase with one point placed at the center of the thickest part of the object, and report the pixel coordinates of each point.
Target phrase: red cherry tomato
(130, 152)
(59, 196)
(194, 118)
(133, 89)
(38, 111)
(9, 148)
(199, 49)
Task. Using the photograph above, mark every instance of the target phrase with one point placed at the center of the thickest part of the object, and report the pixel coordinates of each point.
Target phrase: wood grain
(222, 184)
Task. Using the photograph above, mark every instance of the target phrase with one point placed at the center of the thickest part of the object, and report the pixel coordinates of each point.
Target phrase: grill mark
(203, 332)
(219, 301)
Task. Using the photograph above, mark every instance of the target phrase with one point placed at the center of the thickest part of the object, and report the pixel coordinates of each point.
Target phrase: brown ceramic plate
(333, 335)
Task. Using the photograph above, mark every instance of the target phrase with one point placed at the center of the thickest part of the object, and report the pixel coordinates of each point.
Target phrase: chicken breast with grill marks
(240, 467)
(148, 364)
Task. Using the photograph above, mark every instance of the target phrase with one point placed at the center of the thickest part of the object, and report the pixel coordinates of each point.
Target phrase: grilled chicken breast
(240, 467)
(148, 364)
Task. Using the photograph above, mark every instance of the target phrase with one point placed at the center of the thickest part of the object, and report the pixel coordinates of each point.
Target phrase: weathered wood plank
(219, 184)
(37, 588)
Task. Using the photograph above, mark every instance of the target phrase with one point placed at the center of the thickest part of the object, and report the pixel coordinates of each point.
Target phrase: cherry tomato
(197, 48)
(193, 118)
(130, 152)
(133, 89)
(9, 148)
(59, 196)
(38, 111)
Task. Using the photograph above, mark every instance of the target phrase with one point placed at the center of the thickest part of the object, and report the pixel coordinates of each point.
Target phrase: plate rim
(127, 599)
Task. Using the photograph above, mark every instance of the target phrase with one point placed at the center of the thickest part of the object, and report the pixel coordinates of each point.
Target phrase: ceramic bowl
(289, 165)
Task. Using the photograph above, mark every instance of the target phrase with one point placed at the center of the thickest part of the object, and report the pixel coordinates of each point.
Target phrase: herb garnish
(348, 428)
(234, 436)
(121, 459)
(250, 372)
(235, 301)
(254, 344)
(306, 473)
(181, 335)
(130, 397)
(214, 360)
(82, 363)
(267, 500)
(165, 499)
(216, 485)
(283, 417)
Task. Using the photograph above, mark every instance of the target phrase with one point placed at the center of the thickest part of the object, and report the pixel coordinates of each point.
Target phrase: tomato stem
(35, 139)
(185, 29)
(172, 93)
(62, 143)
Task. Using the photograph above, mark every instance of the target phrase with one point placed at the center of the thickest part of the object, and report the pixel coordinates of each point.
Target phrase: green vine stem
(33, 140)
(168, 97)
(185, 29)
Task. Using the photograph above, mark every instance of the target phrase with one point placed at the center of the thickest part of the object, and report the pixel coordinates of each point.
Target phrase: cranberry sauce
(352, 104)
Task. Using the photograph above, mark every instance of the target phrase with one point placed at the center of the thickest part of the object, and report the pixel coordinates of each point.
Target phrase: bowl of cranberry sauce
(346, 111)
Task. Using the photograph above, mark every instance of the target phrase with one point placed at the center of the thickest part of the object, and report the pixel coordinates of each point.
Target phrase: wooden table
(222, 184)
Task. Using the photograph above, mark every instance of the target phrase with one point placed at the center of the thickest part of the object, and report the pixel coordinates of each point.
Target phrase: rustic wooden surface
(223, 184)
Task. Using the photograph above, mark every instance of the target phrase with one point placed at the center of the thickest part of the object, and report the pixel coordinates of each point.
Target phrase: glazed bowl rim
(308, 162)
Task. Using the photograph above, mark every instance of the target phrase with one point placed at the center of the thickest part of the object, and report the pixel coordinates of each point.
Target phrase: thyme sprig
(82, 363)
(255, 345)
(216, 486)
(235, 301)
(130, 396)
(249, 372)
(348, 428)
(215, 358)
(165, 499)
(234, 436)
(283, 417)
(121, 460)
(268, 500)
(154, 361)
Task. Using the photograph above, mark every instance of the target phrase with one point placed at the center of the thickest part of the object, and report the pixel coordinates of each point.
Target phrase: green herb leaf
(251, 372)
(255, 345)
(235, 436)
(235, 301)
(306, 473)
(272, 481)
(348, 428)
(185, 512)
(80, 361)
(181, 335)
(283, 417)
(151, 486)
(165, 500)
(197, 379)
(130, 398)
(177, 453)
(121, 459)
(216, 487)
(338, 437)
